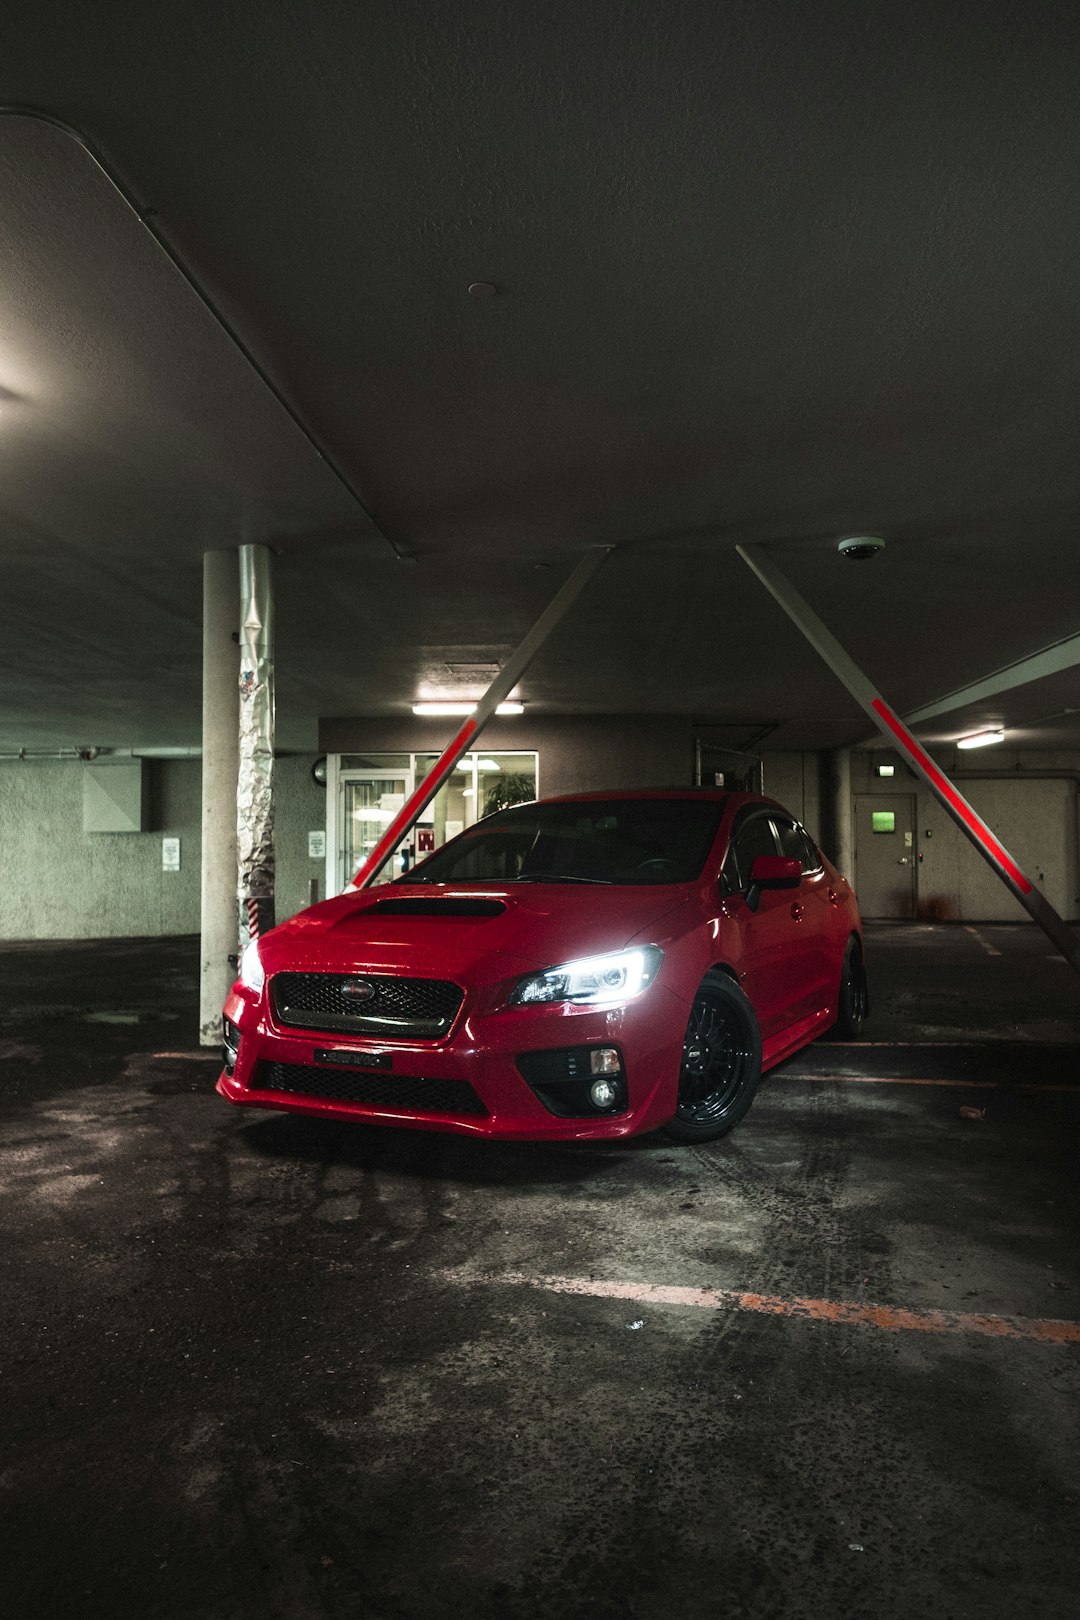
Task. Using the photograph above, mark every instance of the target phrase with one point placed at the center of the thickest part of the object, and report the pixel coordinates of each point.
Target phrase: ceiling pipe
(147, 219)
(86, 755)
(83, 754)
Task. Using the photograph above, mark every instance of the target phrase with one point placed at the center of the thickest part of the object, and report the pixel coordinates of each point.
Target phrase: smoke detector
(859, 547)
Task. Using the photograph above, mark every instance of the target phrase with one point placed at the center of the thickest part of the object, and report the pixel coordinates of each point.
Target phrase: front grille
(422, 1009)
(404, 1093)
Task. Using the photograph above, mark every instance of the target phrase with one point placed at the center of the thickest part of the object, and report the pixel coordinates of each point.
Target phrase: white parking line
(985, 943)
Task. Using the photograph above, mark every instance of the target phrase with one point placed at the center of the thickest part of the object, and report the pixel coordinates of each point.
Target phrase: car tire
(721, 1062)
(853, 998)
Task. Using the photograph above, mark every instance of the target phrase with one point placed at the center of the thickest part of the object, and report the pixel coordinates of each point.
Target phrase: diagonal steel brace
(500, 688)
(968, 820)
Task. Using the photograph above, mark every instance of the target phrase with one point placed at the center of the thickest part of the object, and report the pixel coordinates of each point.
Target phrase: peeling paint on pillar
(255, 782)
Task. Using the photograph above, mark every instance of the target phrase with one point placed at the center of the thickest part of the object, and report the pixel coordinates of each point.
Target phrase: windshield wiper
(556, 877)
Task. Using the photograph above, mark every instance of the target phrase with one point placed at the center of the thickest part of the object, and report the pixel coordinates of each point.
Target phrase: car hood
(450, 932)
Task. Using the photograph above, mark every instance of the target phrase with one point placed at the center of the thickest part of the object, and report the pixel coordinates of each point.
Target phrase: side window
(730, 879)
(754, 837)
(791, 840)
(812, 857)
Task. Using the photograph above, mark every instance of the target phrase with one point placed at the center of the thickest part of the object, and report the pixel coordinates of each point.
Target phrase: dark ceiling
(764, 274)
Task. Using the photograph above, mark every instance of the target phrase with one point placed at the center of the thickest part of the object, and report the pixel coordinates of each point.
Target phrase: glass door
(369, 802)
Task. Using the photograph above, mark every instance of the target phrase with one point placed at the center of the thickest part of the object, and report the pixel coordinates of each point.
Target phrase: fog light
(230, 1045)
(602, 1093)
(604, 1060)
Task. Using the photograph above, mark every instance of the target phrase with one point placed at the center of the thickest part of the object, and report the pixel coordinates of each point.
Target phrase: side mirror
(772, 872)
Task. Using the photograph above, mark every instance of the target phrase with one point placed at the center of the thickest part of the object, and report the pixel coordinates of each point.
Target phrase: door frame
(337, 879)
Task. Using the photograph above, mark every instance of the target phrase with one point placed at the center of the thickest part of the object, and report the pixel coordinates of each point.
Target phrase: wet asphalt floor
(264, 1368)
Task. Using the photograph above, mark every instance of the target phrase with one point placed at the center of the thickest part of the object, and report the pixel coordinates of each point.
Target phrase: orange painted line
(847, 1313)
(912, 1080)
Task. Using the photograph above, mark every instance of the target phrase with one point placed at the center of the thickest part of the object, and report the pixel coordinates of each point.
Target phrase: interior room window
(883, 821)
(481, 784)
(372, 787)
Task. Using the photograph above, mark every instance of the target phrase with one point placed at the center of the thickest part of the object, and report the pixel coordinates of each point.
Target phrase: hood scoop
(435, 906)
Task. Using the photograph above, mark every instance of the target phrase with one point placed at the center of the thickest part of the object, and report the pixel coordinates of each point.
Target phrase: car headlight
(595, 981)
(251, 968)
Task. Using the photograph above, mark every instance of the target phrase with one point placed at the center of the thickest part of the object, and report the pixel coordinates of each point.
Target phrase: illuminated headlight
(251, 968)
(596, 981)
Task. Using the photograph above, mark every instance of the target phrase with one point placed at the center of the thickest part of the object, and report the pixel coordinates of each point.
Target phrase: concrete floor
(256, 1366)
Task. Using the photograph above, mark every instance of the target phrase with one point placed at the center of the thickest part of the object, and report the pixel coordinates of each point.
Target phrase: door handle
(903, 861)
(797, 910)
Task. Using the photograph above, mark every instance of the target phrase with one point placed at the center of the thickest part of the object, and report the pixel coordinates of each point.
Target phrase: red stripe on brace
(407, 814)
(967, 815)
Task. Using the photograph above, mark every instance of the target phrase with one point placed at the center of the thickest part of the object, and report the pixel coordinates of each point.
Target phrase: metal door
(885, 854)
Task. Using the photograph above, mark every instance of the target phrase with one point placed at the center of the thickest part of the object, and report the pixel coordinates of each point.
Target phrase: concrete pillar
(843, 851)
(220, 715)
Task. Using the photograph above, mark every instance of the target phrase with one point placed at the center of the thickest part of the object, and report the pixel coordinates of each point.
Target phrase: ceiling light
(981, 739)
(432, 709)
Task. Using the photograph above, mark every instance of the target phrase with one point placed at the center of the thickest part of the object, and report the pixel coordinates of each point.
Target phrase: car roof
(731, 802)
(720, 795)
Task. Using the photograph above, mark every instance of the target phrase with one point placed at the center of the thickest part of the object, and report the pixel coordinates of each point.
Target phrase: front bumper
(481, 1051)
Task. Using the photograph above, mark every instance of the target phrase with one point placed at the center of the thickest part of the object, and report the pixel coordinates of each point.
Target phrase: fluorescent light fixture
(885, 770)
(981, 739)
(434, 709)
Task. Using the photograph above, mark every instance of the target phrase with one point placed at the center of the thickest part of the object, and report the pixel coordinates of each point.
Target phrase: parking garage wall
(798, 782)
(59, 882)
(1029, 799)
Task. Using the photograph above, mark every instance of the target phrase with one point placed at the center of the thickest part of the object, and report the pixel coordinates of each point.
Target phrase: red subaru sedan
(590, 966)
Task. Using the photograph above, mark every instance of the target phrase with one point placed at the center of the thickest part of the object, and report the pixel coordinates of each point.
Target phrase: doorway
(369, 802)
(885, 855)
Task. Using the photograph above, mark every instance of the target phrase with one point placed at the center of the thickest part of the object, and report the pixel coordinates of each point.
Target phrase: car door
(762, 942)
(814, 918)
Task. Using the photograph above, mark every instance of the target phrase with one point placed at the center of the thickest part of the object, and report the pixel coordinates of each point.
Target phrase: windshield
(584, 841)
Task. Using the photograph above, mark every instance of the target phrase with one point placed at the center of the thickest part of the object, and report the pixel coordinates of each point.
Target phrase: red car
(589, 966)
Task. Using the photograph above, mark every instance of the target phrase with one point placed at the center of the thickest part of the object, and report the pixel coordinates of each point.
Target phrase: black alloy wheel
(853, 1001)
(721, 1062)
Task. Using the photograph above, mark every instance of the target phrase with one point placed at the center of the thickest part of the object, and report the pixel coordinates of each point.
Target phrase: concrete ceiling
(766, 274)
